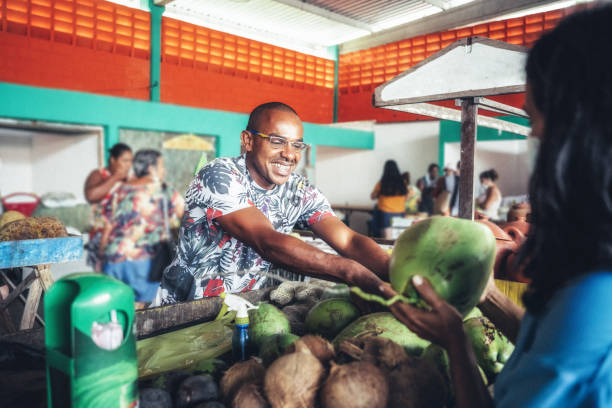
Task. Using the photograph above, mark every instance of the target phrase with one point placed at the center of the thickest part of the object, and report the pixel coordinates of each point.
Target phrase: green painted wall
(450, 132)
(112, 113)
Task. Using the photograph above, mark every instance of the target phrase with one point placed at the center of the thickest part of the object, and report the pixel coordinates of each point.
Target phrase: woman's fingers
(426, 291)
(386, 289)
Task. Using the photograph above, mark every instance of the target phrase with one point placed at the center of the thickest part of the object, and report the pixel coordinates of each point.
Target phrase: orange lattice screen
(86, 23)
(364, 70)
(190, 45)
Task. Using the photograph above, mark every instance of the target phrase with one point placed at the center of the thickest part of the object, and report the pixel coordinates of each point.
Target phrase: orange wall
(100, 47)
(211, 69)
(362, 71)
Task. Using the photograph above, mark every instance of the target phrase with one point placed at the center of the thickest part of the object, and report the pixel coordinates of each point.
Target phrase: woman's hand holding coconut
(443, 324)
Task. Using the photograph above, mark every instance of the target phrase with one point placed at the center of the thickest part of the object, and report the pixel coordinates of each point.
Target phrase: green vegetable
(383, 324)
(455, 255)
(266, 321)
(491, 347)
(330, 316)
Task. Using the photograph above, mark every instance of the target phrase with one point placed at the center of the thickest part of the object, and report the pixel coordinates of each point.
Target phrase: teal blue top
(563, 357)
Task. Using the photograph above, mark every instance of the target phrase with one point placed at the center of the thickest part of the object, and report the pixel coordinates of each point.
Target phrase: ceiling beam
(471, 13)
(161, 3)
(443, 4)
(330, 15)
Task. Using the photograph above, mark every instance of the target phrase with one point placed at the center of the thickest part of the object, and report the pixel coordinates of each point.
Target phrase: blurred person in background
(390, 193)
(98, 187)
(446, 192)
(426, 185)
(135, 215)
(413, 196)
(490, 200)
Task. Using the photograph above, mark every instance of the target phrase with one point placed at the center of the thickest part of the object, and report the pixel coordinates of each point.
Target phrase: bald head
(260, 112)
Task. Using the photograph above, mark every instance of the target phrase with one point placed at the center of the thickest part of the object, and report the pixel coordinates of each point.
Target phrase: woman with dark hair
(135, 213)
(563, 340)
(98, 187)
(490, 200)
(391, 194)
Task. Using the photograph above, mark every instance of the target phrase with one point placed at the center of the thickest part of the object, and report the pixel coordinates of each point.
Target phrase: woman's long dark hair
(569, 72)
(392, 183)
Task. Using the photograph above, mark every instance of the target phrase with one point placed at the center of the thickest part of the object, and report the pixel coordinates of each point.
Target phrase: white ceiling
(312, 26)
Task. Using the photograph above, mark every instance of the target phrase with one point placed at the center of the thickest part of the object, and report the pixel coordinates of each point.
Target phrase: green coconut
(339, 291)
(475, 312)
(275, 346)
(455, 255)
(383, 324)
(491, 347)
(266, 321)
(330, 316)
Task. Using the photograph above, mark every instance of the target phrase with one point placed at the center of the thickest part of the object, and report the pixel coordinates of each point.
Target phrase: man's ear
(247, 140)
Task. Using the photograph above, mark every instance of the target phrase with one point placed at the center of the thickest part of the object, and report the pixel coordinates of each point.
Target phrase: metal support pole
(469, 113)
(155, 69)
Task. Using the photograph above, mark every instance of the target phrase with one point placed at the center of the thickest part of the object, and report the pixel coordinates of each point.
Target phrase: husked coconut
(318, 346)
(383, 352)
(292, 381)
(355, 385)
(417, 383)
(250, 371)
(249, 396)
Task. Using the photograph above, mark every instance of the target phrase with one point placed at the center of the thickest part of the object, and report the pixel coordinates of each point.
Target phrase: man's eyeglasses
(279, 142)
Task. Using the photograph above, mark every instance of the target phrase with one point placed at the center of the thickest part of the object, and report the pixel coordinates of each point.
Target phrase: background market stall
(466, 71)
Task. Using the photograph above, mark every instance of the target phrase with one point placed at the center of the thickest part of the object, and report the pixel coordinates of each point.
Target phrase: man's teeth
(282, 166)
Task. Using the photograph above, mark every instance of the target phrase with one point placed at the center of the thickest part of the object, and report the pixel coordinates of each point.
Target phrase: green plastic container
(90, 343)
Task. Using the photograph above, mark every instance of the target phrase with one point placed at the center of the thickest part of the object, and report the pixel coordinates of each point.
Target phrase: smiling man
(239, 213)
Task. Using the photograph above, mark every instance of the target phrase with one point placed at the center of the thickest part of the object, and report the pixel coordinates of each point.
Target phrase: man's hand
(440, 325)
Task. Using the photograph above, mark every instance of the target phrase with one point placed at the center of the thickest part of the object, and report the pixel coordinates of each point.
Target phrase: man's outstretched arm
(250, 226)
(353, 245)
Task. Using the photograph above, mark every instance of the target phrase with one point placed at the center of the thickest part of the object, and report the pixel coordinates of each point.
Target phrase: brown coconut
(383, 352)
(356, 385)
(243, 372)
(417, 383)
(292, 381)
(249, 396)
(318, 346)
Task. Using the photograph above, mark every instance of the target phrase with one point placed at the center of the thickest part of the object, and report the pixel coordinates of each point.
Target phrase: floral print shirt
(135, 215)
(209, 260)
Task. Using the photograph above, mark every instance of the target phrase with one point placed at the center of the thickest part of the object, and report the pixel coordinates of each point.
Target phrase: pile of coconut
(368, 372)
(345, 359)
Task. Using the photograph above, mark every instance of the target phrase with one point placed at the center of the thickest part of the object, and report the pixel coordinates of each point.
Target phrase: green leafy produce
(455, 255)
(491, 347)
(383, 324)
(330, 316)
(266, 321)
